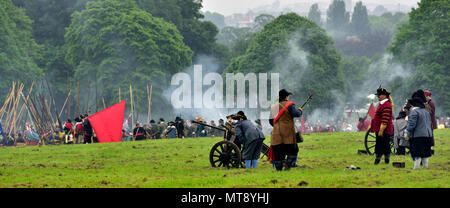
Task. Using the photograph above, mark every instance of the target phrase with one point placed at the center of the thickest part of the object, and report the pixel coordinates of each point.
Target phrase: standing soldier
(283, 140)
(433, 116)
(79, 131)
(221, 124)
(161, 127)
(138, 132)
(186, 129)
(213, 132)
(382, 125)
(180, 127)
(153, 130)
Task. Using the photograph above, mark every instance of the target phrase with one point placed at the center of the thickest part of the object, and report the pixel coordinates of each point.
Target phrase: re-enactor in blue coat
(252, 139)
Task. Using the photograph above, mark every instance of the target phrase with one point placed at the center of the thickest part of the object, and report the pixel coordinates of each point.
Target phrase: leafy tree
(18, 50)
(314, 14)
(337, 17)
(120, 44)
(360, 21)
(261, 20)
(50, 18)
(301, 52)
(387, 21)
(185, 15)
(425, 44)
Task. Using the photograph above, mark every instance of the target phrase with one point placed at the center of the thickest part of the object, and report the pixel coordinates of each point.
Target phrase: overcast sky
(227, 7)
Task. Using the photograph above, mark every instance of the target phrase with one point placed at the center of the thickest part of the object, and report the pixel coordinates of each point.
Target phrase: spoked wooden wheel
(370, 140)
(225, 154)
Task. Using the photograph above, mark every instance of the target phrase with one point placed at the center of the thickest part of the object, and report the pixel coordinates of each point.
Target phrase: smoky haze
(230, 7)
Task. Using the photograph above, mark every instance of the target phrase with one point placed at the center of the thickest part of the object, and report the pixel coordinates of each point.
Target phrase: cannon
(369, 143)
(227, 153)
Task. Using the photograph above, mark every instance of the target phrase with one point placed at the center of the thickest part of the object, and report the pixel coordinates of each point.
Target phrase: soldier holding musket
(382, 125)
(283, 139)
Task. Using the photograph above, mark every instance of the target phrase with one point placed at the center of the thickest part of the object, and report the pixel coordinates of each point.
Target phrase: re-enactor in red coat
(382, 125)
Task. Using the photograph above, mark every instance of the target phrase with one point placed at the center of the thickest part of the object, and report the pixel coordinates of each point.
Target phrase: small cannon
(227, 153)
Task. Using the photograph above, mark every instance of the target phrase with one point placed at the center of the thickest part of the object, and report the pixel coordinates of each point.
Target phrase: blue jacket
(247, 132)
(419, 123)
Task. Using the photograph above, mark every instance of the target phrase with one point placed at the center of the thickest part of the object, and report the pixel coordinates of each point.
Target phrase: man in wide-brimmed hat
(283, 140)
(251, 137)
(382, 125)
(419, 132)
(432, 113)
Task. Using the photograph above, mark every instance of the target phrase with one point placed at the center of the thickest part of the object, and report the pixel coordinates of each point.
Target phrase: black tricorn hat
(152, 121)
(282, 94)
(382, 91)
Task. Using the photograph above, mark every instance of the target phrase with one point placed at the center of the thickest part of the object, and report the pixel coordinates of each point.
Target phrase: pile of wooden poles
(40, 107)
(11, 112)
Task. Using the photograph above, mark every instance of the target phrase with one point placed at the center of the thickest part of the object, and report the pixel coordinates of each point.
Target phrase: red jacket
(432, 114)
(383, 115)
(363, 125)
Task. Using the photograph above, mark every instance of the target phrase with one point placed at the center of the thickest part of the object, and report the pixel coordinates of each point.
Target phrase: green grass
(185, 163)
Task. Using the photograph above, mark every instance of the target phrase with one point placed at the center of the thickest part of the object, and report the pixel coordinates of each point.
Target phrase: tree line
(107, 45)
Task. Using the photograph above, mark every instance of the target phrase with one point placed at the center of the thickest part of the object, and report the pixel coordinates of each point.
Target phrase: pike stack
(38, 107)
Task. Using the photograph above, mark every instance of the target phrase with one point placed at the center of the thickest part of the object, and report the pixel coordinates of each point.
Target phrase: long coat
(284, 130)
(247, 132)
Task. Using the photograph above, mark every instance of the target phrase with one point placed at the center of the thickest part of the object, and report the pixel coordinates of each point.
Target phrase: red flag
(371, 111)
(108, 123)
(303, 125)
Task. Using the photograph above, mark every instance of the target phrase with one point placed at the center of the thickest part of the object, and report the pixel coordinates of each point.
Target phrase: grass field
(185, 163)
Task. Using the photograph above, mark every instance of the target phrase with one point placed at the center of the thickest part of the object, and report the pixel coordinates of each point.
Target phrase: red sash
(270, 155)
(280, 113)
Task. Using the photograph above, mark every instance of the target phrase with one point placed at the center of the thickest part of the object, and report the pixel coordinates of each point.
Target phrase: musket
(307, 100)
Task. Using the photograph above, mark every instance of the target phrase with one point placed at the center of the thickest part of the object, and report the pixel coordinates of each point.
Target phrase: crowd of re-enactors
(414, 134)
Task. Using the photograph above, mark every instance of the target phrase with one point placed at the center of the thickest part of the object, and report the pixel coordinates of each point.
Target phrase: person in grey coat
(252, 139)
(419, 133)
(400, 124)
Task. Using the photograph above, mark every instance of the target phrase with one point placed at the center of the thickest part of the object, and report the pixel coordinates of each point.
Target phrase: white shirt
(383, 101)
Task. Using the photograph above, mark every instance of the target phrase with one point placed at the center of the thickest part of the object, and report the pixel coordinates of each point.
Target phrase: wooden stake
(132, 116)
(149, 97)
(62, 109)
(120, 99)
(104, 105)
(89, 94)
(78, 97)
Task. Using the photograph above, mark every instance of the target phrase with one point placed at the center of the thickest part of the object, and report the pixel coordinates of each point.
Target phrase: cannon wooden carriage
(227, 153)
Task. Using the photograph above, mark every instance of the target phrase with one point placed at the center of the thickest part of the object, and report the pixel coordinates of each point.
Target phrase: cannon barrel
(214, 127)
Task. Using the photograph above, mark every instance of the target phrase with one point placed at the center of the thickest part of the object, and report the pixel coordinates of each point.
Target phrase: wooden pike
(104, 105)
(54, 104)
(62, 109)
(22, 108)
(6, 104)
(78, 97)
(131, 97)
(89, 94)
(149, 97)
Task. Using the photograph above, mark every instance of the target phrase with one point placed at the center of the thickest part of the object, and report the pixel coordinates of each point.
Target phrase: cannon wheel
(369, 143)
(225, 154)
